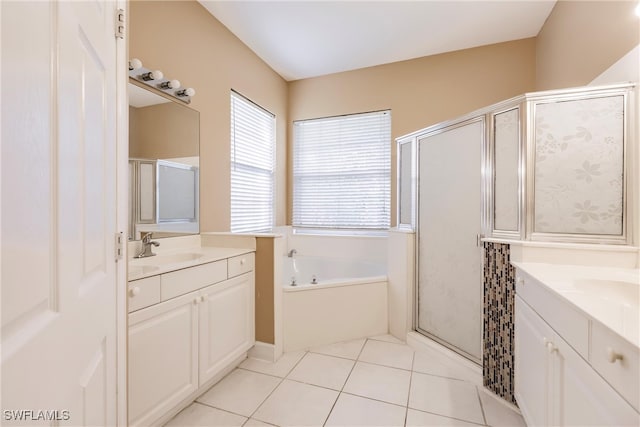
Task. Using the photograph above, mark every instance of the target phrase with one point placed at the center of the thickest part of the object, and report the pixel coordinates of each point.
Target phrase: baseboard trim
(263, 351)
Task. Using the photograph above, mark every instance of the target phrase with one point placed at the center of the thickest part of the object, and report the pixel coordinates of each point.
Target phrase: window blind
(342, 172)
(253, 139)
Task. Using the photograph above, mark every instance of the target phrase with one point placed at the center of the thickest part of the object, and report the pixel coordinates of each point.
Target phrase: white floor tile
(321, 370)
(499, 414)
(358, 411)
(444, 396)
(197, 415)
(346, 349)
(424, 419)
(296, 404)
(279, 368)
(255, 423)
(387, 338)
(240, 392)
(379, 382)
(387, 354)
(436, 363)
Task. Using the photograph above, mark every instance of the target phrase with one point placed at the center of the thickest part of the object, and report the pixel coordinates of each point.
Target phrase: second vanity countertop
(177, 259)
(608, 295)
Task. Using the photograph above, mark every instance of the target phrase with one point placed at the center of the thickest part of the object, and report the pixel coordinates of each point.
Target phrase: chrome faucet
(291, 253)
(146, 246)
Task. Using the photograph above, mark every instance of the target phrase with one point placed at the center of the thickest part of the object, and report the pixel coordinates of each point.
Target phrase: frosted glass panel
(506, 143)
(146, 172)
(449, 261)
(177, 190)
(405, 195)
(579, 166)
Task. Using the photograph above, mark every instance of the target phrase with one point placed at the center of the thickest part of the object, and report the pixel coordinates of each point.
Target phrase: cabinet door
(583, 397)
(226, 323)
(532, 365)
(163, 357)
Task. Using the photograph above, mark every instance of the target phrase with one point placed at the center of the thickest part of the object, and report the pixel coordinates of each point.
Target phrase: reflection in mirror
(405, 194)
(164, 162)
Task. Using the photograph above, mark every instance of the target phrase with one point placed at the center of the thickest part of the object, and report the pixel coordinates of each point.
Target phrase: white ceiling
(301, 39)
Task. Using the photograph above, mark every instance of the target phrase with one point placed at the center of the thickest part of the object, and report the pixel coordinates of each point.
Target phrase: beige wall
(581, 39)
(419, 92)
(187, 43)
(264, 290)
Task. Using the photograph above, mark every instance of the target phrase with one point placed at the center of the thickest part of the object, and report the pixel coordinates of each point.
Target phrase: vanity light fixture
(152, 75)
(170, 84)
(186, 92)
(135, 64)
(156, 80)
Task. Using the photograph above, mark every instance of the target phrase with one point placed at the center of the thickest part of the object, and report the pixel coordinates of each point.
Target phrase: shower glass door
(449, 285)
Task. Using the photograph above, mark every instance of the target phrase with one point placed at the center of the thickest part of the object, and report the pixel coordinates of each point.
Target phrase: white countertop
(139, 268)
(608, 295)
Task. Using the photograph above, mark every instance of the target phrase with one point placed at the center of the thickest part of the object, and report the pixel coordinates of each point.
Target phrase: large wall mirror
(164, 164)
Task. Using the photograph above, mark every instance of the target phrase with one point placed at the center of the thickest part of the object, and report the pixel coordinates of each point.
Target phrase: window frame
(236, 96)
(345, 228)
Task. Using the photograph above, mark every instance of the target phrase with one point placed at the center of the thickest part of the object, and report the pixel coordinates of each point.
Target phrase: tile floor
(377, 381)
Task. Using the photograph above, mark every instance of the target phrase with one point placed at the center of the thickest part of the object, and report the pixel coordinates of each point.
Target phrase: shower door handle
(479, 238)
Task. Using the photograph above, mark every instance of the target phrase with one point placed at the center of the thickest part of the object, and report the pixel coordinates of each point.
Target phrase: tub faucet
(146, 246)
(291, 253)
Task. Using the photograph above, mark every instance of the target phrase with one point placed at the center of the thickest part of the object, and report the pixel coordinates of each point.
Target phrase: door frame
(122, 212)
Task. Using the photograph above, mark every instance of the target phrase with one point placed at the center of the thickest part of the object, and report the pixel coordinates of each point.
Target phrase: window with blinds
(342, 172)
(253, 141)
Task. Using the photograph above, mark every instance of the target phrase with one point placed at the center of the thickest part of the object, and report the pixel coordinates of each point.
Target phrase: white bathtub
(313, 271)
(348, 301)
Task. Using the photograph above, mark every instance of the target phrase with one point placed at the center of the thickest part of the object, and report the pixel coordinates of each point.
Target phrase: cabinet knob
(203, 298)
(196, 300)
(242, 261)
(134, 291)
(612, 356)
(549, 344)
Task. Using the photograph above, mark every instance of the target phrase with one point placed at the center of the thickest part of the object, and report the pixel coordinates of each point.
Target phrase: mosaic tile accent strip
(499, 303)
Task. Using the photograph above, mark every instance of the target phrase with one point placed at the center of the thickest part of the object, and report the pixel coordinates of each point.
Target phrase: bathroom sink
(167, 259)
(613, 291)
(181, 257)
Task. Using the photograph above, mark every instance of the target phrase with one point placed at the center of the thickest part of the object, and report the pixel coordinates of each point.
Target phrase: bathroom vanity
(576, 345)
(191, 320)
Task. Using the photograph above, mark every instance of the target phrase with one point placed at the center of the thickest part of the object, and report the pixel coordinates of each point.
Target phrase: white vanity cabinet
(163, 358)
(200, 327)
(555, 384)
(226, 324)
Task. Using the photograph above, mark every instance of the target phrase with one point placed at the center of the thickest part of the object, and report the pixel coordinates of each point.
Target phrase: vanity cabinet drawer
(143, 293)
(241, 264)
(617, 361)
(570, 323)
(190, 279)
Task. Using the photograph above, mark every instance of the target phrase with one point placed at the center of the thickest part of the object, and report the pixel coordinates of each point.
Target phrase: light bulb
(638, 10)
(152, 75)
(186, 92)
(171, 84)
(134, 64)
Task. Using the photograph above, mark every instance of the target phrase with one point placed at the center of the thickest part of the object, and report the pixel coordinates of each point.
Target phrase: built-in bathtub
(347, 300)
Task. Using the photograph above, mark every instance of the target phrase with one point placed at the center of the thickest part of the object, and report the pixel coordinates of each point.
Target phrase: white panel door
(532, 365)
(449, 221)
(226, 323)
(58, 212)
(163, 357)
